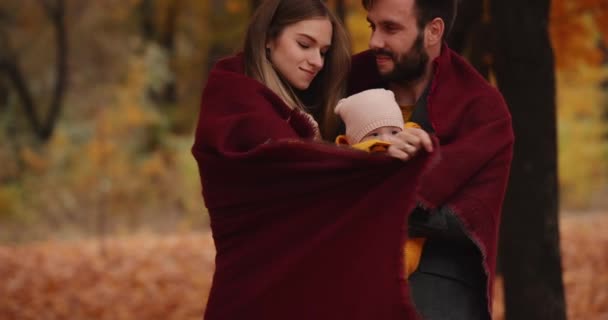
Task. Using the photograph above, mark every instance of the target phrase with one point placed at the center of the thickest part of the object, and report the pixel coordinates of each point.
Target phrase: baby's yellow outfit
(412, 250)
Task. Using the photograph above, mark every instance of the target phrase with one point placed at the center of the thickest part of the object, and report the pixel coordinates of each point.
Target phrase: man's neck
(409, 93)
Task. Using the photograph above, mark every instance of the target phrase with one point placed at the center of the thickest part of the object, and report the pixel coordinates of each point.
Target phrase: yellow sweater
(412, 250)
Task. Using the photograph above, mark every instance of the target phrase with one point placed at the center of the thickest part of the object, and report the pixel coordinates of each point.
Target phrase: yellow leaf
(33, 160)
(234, 7)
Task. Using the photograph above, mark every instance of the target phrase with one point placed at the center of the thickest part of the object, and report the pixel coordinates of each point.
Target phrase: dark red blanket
(473, 125)
(303, 229)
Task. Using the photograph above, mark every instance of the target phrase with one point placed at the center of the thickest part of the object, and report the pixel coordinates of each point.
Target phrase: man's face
(398, 43)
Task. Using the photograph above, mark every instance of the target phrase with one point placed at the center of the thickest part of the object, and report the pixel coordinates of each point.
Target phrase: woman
(303, 229)
(286, 48)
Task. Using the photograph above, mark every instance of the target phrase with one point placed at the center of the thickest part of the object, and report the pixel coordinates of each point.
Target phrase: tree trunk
(469, 15)
(529, 246)
(471, 34)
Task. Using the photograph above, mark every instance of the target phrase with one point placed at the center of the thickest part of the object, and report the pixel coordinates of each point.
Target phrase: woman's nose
(316, 60)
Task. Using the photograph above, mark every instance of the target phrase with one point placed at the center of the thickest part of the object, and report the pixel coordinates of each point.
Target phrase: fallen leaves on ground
(153, 277)
(144, 277)
(584, 247)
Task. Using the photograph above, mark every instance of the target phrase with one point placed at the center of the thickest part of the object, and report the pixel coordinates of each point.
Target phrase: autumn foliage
(118, 162)
(120, 146)
(578, 27)
(579, 34)
(151, 277)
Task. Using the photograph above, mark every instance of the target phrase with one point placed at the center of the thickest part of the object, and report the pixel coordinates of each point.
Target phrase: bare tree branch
(48, 6)
(14, 73)
(58, 20)
(3, 94)
(9, 65)
(6, 54)
(146, 12)
(168, 37)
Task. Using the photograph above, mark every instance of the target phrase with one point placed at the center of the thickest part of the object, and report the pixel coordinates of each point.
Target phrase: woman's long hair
(267, 23)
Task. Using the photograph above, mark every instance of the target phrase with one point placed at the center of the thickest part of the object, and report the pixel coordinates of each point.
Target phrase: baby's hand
(408, 142)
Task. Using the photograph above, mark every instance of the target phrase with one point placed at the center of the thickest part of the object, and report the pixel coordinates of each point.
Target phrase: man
(459, 198)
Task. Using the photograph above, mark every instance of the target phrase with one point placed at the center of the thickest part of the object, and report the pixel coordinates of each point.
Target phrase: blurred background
(99, 192)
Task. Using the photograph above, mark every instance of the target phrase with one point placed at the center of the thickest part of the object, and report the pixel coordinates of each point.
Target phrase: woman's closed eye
(303, 45)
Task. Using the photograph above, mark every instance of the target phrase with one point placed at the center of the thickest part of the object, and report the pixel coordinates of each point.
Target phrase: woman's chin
(302, 86)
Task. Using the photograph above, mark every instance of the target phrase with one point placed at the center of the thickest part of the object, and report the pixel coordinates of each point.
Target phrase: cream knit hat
(368, 110)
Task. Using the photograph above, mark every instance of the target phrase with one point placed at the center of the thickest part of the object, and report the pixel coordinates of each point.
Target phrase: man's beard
(408, 67)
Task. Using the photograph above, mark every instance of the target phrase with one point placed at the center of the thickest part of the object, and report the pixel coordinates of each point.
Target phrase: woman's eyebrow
(311, 38)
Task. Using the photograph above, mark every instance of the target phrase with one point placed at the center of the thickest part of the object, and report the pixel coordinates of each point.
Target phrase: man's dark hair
(427, 10)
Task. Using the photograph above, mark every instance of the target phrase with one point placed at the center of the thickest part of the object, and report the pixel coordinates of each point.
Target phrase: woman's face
(298, 52)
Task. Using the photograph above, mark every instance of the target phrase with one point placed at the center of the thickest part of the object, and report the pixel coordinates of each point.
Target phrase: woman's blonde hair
(267, 23)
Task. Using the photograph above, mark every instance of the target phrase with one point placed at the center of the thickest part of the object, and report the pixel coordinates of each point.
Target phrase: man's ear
(434, 32)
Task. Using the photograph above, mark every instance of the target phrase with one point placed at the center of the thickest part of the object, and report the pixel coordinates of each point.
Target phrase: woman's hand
(408, 142)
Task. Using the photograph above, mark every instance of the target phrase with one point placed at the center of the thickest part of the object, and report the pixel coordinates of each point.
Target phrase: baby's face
(382, 133)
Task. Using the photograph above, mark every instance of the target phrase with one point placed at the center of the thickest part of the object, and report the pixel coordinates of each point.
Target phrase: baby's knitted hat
(368, 110)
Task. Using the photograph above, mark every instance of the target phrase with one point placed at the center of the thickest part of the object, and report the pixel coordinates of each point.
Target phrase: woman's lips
(309, 72)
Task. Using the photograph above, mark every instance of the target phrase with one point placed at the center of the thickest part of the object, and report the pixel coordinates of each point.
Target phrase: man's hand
(408, 142)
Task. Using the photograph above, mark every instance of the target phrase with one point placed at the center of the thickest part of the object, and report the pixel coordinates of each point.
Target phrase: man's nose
(376, 41)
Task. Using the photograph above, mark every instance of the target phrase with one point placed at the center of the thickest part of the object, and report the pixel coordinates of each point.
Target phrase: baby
(371, 117)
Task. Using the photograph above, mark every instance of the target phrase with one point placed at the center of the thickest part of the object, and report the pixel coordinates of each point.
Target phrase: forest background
(98, 102)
